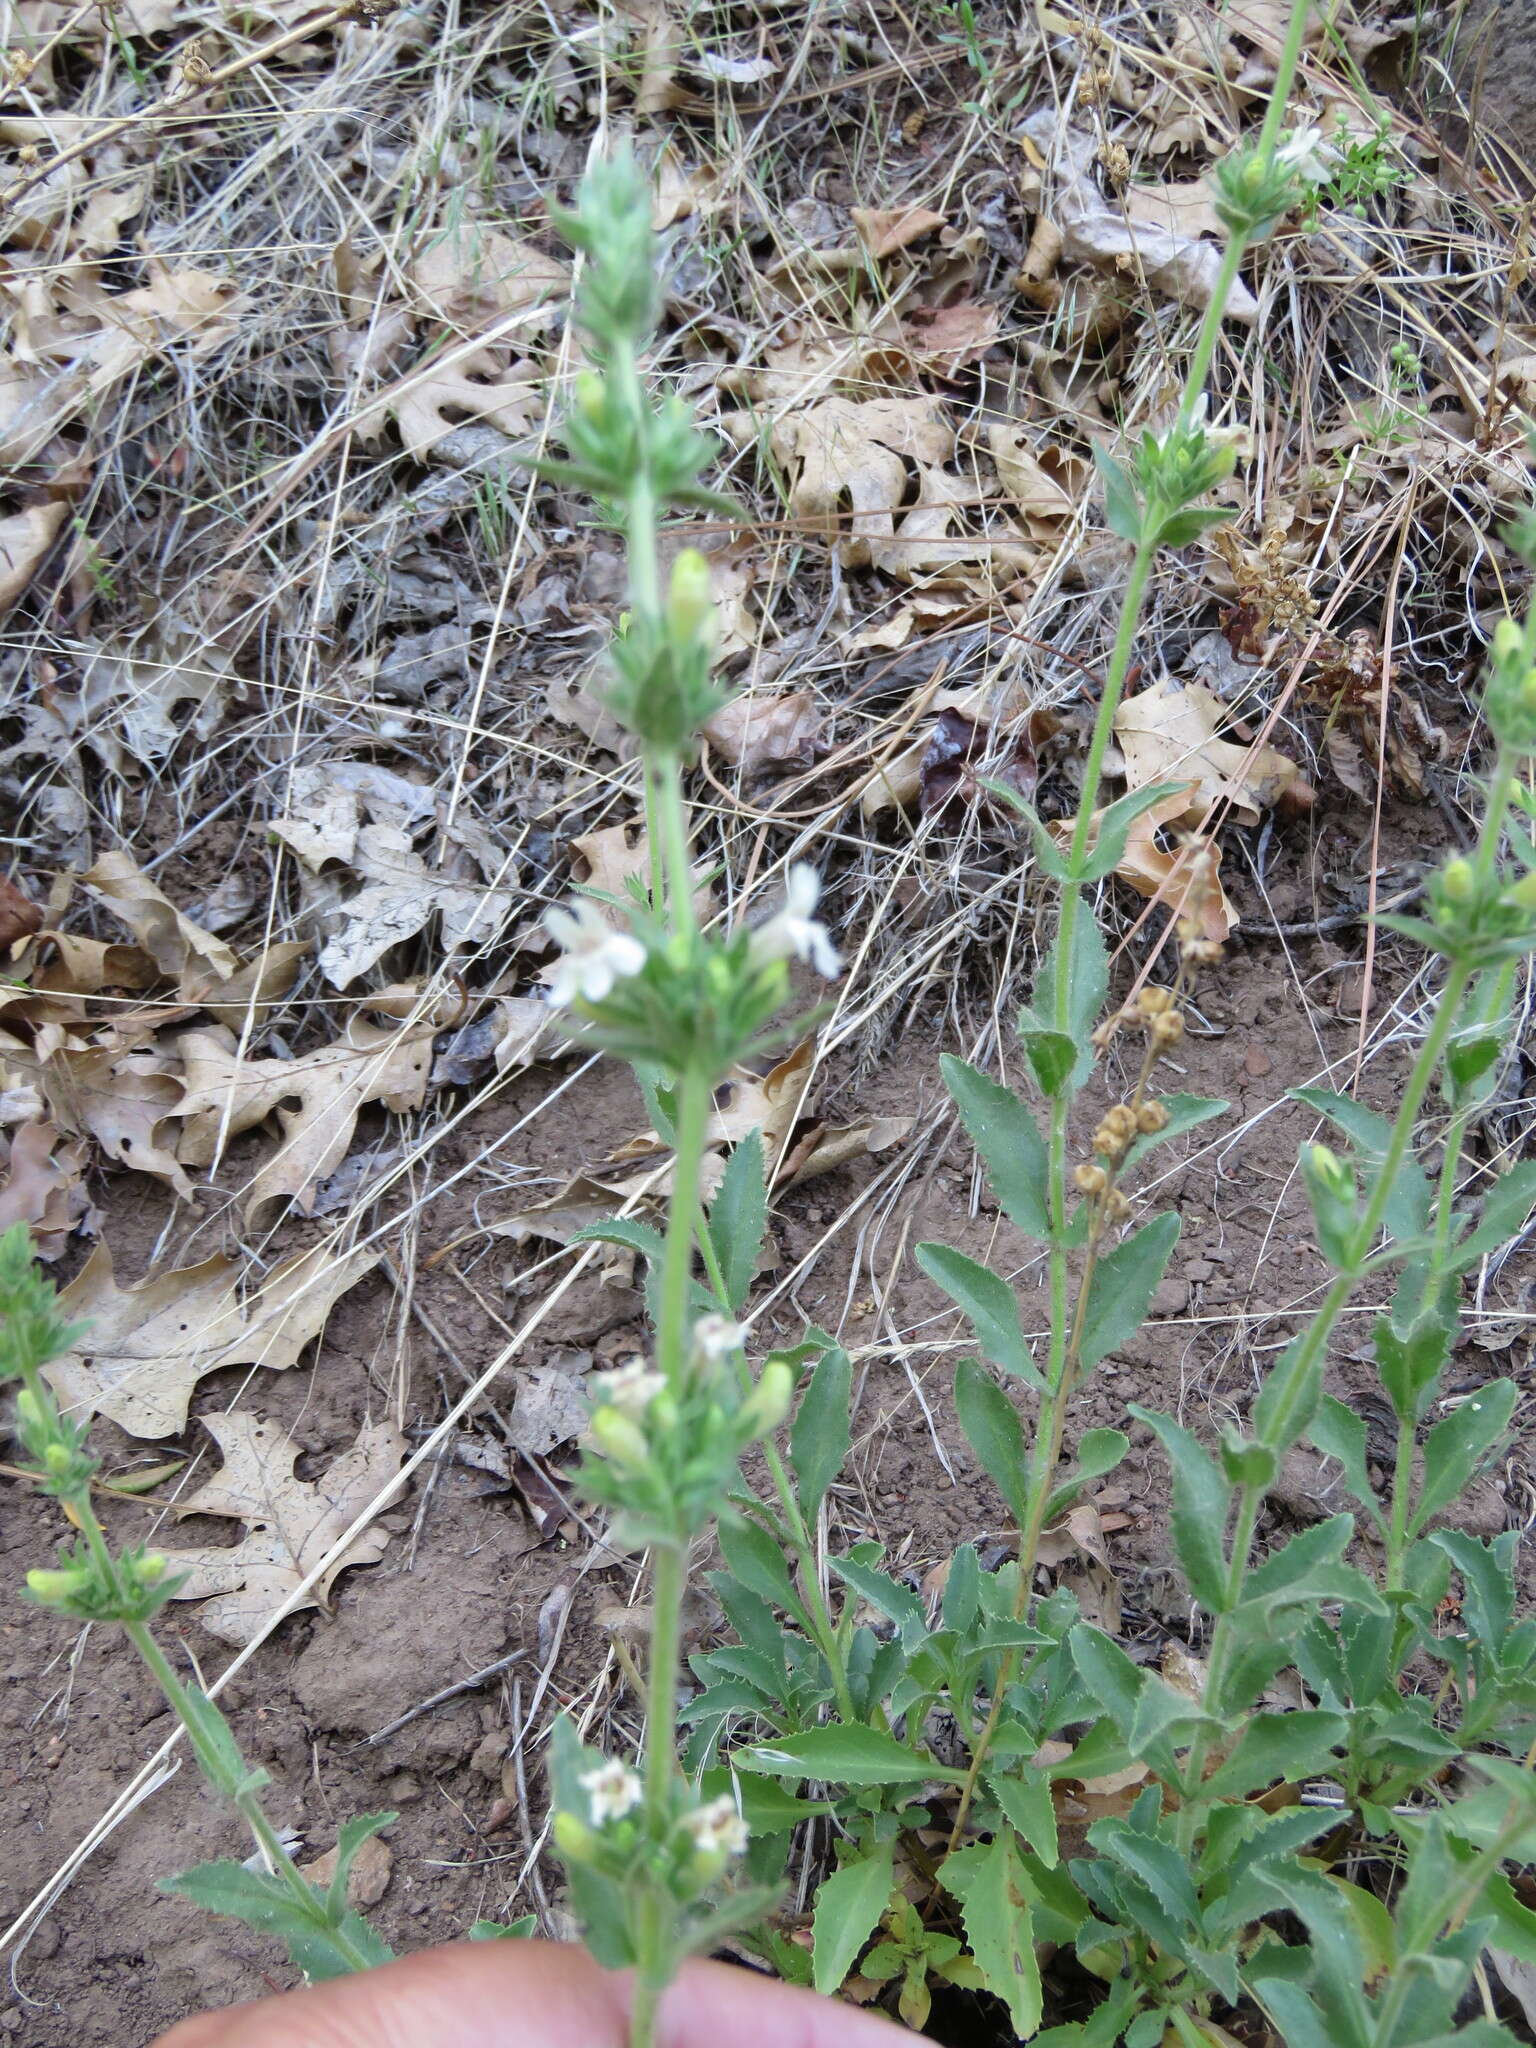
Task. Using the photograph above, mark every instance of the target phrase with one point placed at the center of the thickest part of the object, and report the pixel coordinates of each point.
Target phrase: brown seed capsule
(1167, 1029)
(1093, 1180)
(1116, 1207)
(1111, 1143)
(1151, 1117)
(1121, 1118)
(1152, 1002)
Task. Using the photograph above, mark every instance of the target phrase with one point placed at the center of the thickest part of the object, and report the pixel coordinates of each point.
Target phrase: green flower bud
(620, 1439)
(58, 1458)
(29, 1410)
(576, 1842)
(769, 1402)
(1332, 1173)
(590, 396)
(690, 609)
(151, 1567)
(58, 1588)
(1508, 641)
(1459, 881)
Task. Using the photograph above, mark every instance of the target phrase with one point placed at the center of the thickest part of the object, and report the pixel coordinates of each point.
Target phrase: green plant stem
(677, 1250)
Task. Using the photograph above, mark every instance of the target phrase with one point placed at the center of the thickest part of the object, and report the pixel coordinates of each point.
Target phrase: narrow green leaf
(752, 1556)
(1122, 509)
(1027, 1802)
(991, 1304)
(1487, 1585)
(1459, 1443)
(1506, 1206)
(843, 1755)
(848, 1908)
(820, 1433)
(1005, 1134)
(993, 1431)
(1114, 1681)
(1338, 1432)
(886, 1595)
(738, 1217)
(1279, 1748)
(999, 1931)
(1121, 1290)
(1087, 975)
(350, 1838)
(525, 1928)
(1409, 1199)
(1201, 1502)
(1051, 1054)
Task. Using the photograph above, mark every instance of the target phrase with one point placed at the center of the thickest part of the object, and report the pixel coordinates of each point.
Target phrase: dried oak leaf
(182, 951)
(41, 1185)
(884, 230)
(1156, 872)
(25, 538)
(146, 1347)
(957, 756)
(20, 917)
(472, 275)
(755, 731)
(399, 897)
(1167, 733)
(120, 1093)
(291, 1523)
(433, 402)
(316, 1100)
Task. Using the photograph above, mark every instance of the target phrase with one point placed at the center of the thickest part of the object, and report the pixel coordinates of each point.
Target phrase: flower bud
(1459, 881)
(620, 1439)
(1332, 1173)
(576, 1842)
(58, 1588)
(769, 1402)
(1508, 641)
(1092, 1180)
(29, 1410)
(150, 1568)
(591, 397)
(690, 609)
(57, 1458)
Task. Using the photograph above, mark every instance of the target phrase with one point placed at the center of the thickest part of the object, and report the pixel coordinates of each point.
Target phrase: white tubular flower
(718, 1828)
(793, 932)
(1305, 153)
(613, 1790)
(716, 1337)
(630, 1388)
(593, 955)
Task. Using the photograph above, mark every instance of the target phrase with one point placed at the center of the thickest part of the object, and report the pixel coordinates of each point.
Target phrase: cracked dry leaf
(851, 465)
(316, 1100)
(1167, 733)
(290, 1523)
(182, 951)
(146, 1347)
(41, 1186)
(471, 275)
(399, 897)
(1047, 484)
(1179, 265)
(25, 538)
(995, 706)
(618, 854)
(1156, 872)
(431, 403)
(119, 1093)
(885, 230)
(756, 730)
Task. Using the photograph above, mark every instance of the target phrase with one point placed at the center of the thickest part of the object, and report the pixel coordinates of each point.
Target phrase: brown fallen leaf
(25, 538)
(1167, 733)
(368, 1874)
(957, 755)
(757, 731)
(1046, 482)
(826, 1148)
(1179, 265)
(549, 1409)
(471, 275)
(1155, 872)
(884, 230)
(41, 1185)
(316, 1100)
(944, 339)
(181, 950)
(121, 1093)
(432, 402)
(291, 1523)
(997, 708)
(608, 860)
(145, 1348)
(20, 917)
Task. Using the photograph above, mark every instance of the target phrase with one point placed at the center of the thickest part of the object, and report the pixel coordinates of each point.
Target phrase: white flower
(717, 1827)
(630, 1388)
(716, 1337)
(1305, 153)
(593, 955)
(794, 932)
(613, 1790)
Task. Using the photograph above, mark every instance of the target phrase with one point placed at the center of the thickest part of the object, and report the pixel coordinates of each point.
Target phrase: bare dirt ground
(296, 650)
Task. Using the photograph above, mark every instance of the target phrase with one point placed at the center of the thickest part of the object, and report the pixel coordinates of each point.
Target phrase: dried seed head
(1104, 1033)
(1153, 1002)
(1121, 1119)
(1116, 159)
(1151, 1117)
(1202, 896)
(1201, 952)
(1167, 1029)
(1116, 1207)
(1110, 1143)
(1093, 1180)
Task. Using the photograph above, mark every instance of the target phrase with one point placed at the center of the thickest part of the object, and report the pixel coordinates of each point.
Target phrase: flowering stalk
(642, 979)
(92, 1583)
